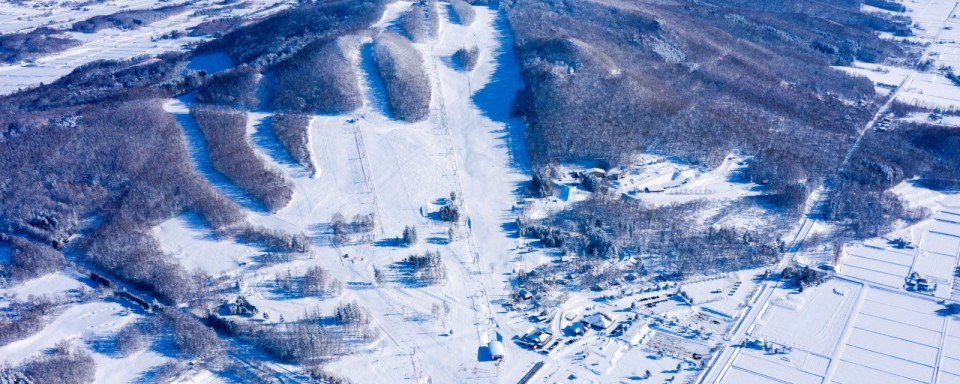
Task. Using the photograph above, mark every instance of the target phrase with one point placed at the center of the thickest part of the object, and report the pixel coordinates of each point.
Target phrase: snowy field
(866, 324)
(85, 321)
(932, 251)
(108, 44)
(939, 33)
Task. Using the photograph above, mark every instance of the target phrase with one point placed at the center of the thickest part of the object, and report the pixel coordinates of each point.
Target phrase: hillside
(345, 191)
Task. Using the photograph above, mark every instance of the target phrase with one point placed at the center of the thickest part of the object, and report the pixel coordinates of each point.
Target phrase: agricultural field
(868, 321)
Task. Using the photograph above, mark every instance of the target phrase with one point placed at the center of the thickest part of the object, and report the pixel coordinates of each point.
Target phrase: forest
(421, 22)
(318, 79)
(861, 201)
(292, 131)
(15, 47)
(696, 82)
(401, 67)
(231, 153)
(273, 39)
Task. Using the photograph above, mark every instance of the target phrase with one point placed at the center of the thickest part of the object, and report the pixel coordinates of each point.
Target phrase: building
(524, 294)
(497, 353)
(600, 320)
(536, 339)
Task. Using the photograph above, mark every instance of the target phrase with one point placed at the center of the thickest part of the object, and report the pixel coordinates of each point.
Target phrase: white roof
(496, 349)
(600, 320)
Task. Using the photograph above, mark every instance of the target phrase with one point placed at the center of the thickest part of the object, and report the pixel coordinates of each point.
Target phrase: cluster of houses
(919, 283)
(884, 123)
(542, 339)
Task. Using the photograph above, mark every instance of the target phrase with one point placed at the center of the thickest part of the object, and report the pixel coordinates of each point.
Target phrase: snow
(196, 247)
(368, 163)
(129, 369)
(50, 284)
(87, 320)
(772, 368)
(939, 31)
(858, 325)
(942, 243)
(110, 44)
(723, 295)
(932, 89)
(876, 330)
(889, 76)
(812, 320)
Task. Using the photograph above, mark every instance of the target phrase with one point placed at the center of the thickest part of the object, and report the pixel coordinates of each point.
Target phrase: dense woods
(667, 238)
(314, 338)
(135, 257)
(293, 132)
(698, 81)
(421, 21)
(29, 260)
(22, 318)
(232, 88)
(42, 41)
(127, 162)
(315, 282)
(424, 269)
(64, 365)
(467, 58)
(321, 78)
(861, 201)
(463, 12)
(191, 338)
(401, 67)
(225, 132)
(270, 40)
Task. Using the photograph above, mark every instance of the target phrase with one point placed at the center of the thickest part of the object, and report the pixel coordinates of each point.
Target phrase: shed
(496, 350)
(525, 294)
(596, 172)
(536, 338)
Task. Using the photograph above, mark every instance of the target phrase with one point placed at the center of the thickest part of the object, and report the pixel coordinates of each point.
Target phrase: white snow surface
(108, 44)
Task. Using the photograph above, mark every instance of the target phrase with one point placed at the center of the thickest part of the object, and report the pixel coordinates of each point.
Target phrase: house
(923, 285)
(577, 329)
(596, 172)
(536, 338)
(600, 320)
(544, 316)
(497, 353)
(617, 176)
(524, 294)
